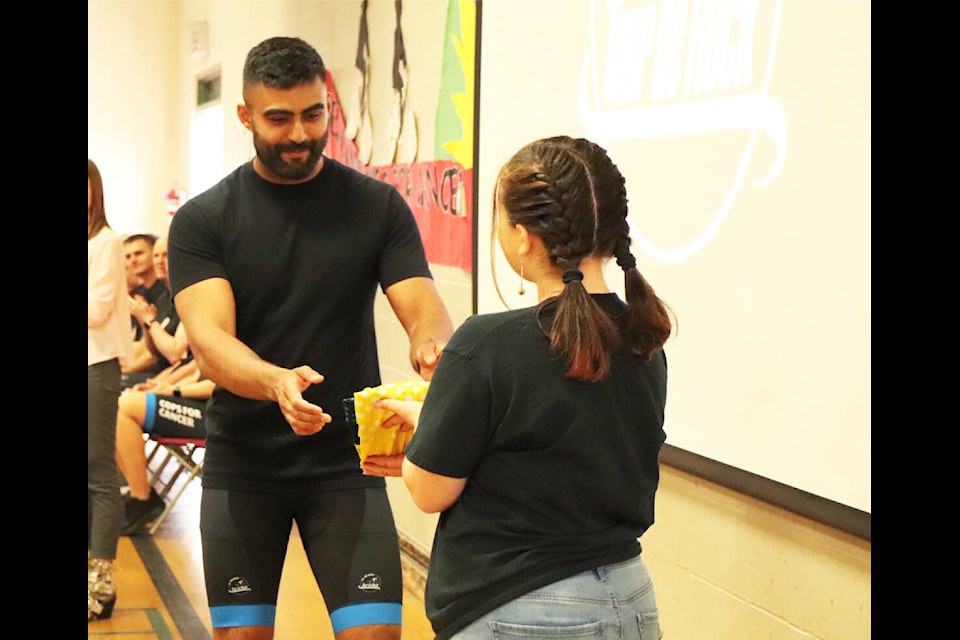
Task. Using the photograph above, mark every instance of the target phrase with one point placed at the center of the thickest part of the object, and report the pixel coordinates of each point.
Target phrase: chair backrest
(186, 455)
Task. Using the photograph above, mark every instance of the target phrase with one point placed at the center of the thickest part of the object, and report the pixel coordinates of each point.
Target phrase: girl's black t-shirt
(561, 474)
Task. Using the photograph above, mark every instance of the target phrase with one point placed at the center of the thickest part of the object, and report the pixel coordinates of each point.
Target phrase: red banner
(439, 192)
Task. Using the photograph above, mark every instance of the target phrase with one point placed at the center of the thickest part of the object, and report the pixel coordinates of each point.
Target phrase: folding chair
(187, 456)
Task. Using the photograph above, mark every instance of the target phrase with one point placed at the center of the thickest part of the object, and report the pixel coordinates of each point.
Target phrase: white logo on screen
(700, 57)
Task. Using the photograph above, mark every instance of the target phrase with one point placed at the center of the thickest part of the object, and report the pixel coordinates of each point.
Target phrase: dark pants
(104, 502)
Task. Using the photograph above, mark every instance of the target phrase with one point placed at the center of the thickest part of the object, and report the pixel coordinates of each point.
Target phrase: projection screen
(743, 130)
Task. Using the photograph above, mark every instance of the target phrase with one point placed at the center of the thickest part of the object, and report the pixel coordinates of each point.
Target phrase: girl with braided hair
(538, 439)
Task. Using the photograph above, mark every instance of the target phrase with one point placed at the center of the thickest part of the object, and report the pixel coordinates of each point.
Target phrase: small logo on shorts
(238, 585)
(369, 582)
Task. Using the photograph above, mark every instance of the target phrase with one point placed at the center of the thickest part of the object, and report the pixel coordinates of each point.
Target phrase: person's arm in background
(424, 317)
(186, 372)
(142, 359)
(208, 311)
(173, 373)
(172, 347)
(101, 290)
(197, 389)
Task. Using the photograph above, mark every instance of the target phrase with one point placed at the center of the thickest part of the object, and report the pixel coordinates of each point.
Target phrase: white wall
(132, 108)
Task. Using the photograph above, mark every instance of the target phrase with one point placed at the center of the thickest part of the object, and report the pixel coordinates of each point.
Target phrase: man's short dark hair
(149, 238)
(282, 62)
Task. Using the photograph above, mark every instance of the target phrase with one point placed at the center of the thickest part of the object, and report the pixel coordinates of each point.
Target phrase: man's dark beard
(270, 156)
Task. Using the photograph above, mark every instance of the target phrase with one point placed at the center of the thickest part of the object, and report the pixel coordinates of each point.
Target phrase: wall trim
(828, 512)
(414, 562)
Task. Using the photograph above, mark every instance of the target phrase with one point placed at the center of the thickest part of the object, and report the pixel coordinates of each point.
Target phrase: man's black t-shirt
(304, 262)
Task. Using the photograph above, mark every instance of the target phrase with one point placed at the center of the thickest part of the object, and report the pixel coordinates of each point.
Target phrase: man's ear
(244, 114)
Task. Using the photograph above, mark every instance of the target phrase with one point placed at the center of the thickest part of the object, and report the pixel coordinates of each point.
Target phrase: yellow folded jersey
(374, 439)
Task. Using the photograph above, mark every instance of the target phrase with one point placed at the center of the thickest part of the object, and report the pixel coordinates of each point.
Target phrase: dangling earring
(522, 290)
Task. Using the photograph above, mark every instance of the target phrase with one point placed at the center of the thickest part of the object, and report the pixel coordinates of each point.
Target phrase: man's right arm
(208, 312)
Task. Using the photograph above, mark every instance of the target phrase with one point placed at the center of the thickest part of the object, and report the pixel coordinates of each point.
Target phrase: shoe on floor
(141, 512)
(101, 591)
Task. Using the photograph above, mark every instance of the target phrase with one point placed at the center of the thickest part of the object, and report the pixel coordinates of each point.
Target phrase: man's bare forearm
(236, 367)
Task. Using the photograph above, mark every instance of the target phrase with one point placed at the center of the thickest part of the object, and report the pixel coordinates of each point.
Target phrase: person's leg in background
(131, 454)
(143, 503)
(103, 487)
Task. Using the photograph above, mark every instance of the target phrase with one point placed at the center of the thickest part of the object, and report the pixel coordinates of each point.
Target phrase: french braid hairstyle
(570, 194)
(649, 319)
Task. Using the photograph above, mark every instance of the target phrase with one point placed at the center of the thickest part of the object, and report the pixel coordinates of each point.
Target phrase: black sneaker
(141, 512)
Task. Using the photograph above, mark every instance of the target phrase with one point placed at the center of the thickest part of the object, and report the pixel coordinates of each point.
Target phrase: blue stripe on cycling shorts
(355, 615)
(150, 413)
(245, 615)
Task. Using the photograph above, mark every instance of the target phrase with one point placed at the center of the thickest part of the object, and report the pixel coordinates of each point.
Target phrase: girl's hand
(406, 413)
(383, 465)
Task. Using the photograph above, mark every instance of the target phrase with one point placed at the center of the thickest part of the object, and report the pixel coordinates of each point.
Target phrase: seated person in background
(158, 319)
(142, 359)
(171, 405)
(134, 281)
(139, 251)
(171, 343)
